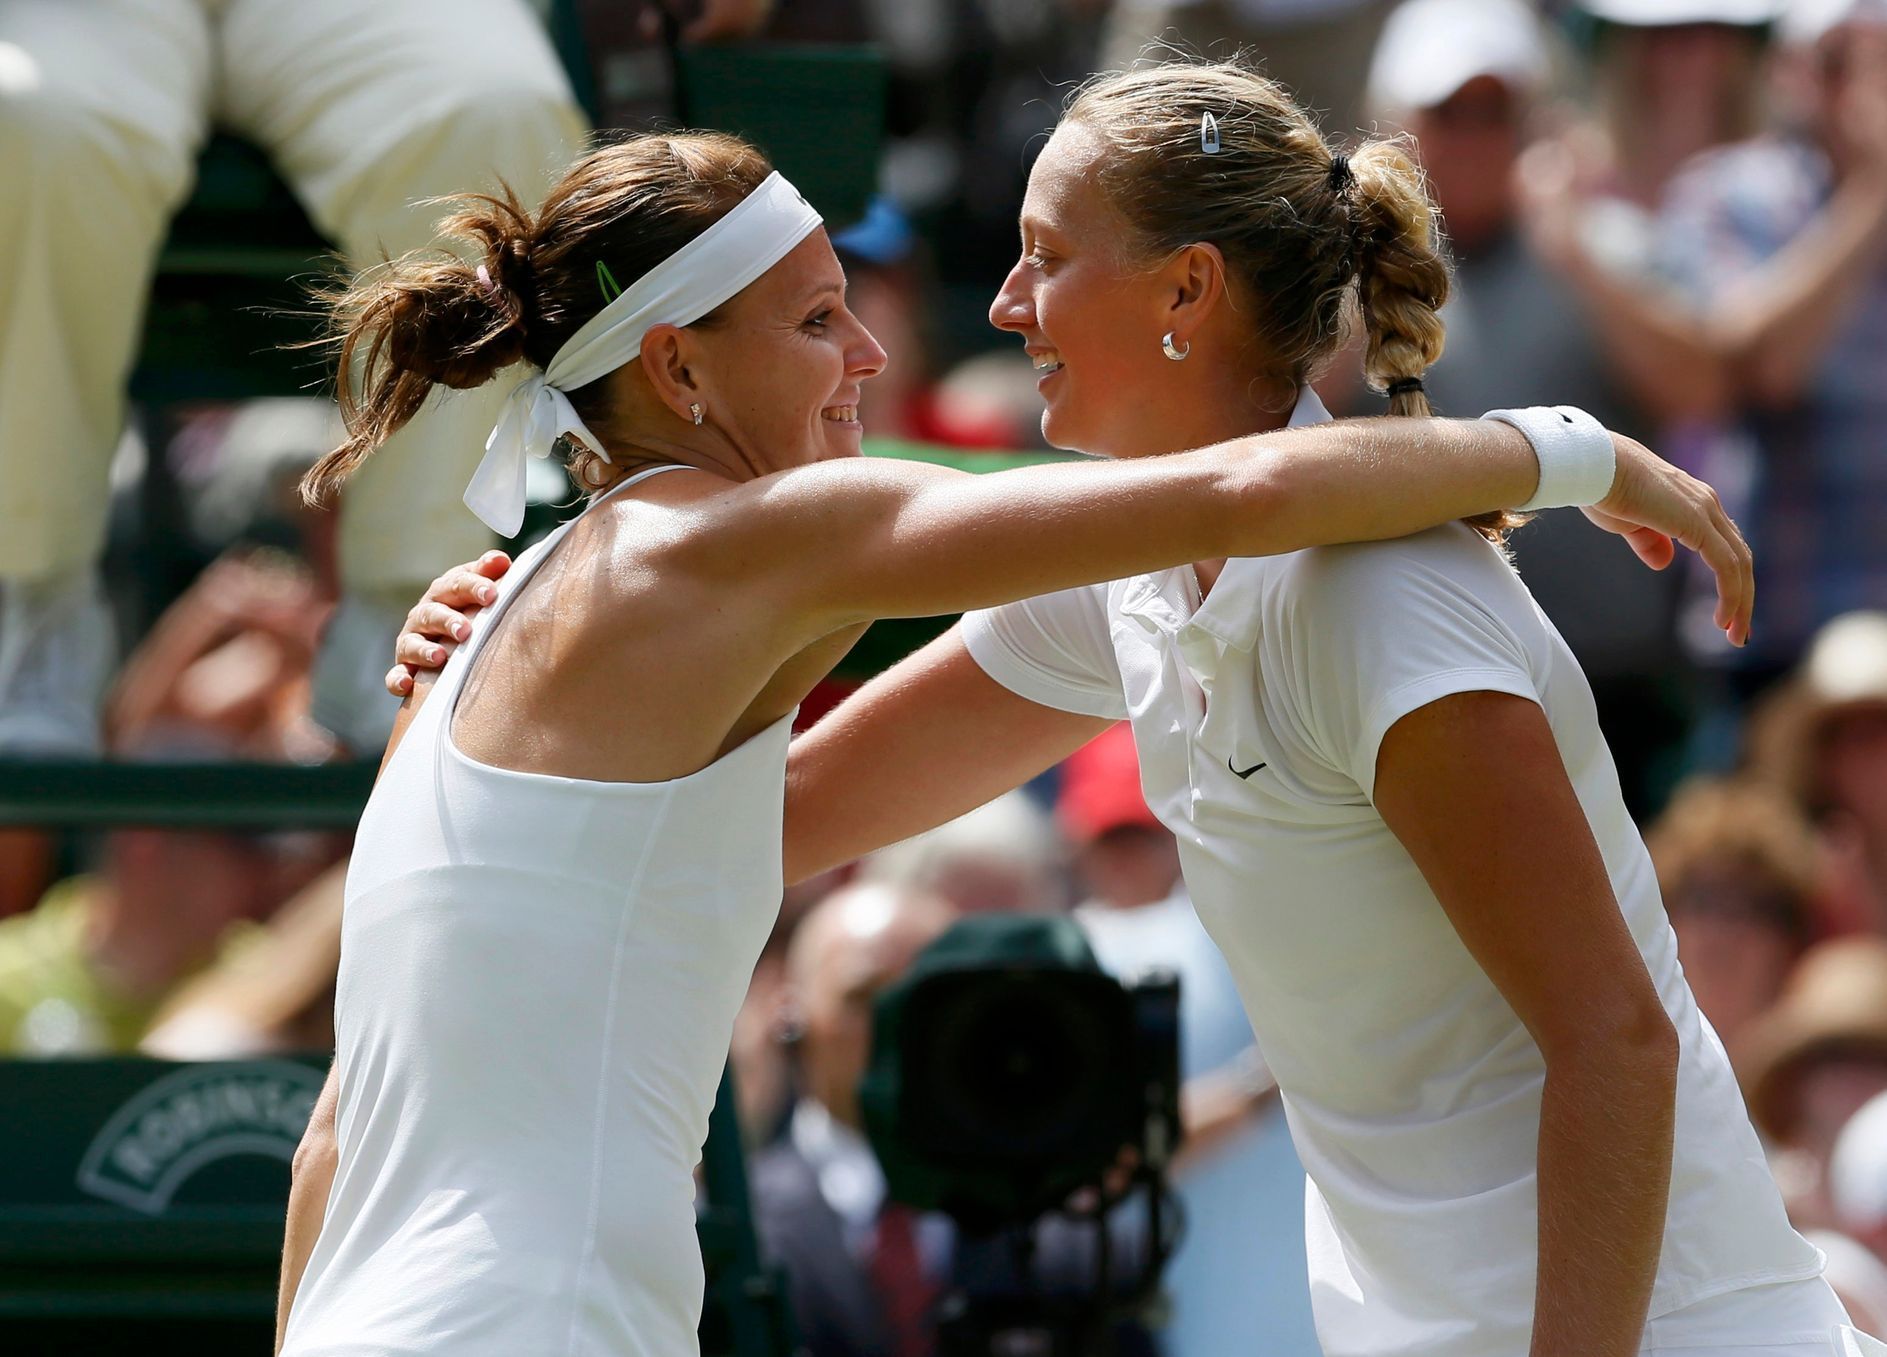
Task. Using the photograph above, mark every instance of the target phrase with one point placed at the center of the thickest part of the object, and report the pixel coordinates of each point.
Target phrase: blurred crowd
(1672, 213)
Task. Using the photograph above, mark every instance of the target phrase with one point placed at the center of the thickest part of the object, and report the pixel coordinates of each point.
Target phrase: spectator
(84, 971)
(1857, 1181)
(1857, 1189)
(1672, 78)
(974, 88)
(1858, 1277)
(862, 1271)
(369, 109)
(1466, 78)
(1740, 874)
(765, 1025)
(229, 663)
(223, 673)
(1783, 244)
(865, 1273)
(1776, 247)
(1004, 856)
(1124, 858)
(26, 867)
(1822, 739)
(1811, 1062)
(1317, 49)
(1238, 1275)
(270, 989)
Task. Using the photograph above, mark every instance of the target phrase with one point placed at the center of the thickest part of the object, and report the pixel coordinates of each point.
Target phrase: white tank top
(538, 983)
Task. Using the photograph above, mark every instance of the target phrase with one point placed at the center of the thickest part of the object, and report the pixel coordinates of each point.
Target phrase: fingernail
(461, 630)
(437, 656)
(485, 593)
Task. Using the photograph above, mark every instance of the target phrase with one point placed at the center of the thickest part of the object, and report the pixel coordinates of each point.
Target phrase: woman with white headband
(1395, 810)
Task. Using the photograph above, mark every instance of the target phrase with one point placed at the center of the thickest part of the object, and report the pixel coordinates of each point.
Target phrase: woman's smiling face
(789, 359)
(1087, 309)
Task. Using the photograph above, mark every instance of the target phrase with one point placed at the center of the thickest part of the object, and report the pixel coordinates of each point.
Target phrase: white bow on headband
(698, 277)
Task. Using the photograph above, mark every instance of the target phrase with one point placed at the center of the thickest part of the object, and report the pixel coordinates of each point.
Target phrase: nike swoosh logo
(1236, 773)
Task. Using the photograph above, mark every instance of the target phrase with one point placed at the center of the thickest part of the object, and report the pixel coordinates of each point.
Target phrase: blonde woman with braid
(1395, 811)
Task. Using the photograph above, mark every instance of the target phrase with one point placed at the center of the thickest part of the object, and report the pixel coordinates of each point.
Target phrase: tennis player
(1395, 810)
(573, 854)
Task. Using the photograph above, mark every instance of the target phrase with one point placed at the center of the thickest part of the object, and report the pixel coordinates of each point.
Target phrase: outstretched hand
(443, 618)
(1652, 505)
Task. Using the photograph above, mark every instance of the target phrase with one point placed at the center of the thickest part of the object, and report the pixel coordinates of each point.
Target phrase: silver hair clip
(1209, 134)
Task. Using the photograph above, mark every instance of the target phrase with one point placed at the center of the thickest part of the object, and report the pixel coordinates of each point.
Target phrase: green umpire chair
(141, 1210)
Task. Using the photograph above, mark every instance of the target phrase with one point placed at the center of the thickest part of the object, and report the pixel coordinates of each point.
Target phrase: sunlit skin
(777, 373)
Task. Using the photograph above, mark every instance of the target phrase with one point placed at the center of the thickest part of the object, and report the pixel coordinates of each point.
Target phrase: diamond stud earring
(1173, 351)
(695, 410)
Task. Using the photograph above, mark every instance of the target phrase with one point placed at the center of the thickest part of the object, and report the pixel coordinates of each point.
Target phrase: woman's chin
(841, 438)
(1061, 431)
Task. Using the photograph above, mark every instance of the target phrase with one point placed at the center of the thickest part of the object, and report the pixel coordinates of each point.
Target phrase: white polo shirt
(1412, 1090)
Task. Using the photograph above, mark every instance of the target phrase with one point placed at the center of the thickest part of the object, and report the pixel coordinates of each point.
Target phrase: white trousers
(366, 106)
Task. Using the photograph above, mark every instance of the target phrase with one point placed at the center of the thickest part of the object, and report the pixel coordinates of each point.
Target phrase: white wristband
(1577, 460)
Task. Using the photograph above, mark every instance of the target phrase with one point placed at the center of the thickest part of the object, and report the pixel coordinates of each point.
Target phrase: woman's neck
(1237, 409)
(1213, 411)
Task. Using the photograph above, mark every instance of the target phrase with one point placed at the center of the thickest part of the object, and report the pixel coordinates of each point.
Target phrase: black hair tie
(1406, 385)
(1340, 175)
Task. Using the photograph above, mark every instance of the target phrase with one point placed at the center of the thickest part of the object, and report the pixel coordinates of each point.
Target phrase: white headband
(680, 290)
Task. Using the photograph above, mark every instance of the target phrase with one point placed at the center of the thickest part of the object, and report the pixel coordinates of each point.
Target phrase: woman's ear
(1195, 286)
(665, 358)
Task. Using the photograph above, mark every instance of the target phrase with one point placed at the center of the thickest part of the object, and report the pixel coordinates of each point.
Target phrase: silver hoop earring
(1173, 351)
(695, 410)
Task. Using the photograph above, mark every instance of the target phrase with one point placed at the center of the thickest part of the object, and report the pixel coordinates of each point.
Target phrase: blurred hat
(1857, 1276)
(1671, 13)
(259, 451)
(1835, 999)
(1100, 788)
(1809, 21)
(1429, 49)
(1857, 1170)
(1847, 661)
(882, 236)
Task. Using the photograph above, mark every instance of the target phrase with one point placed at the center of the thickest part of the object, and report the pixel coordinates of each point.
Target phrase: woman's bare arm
(311, 1177)
(926, 741)
(874, 537)
(877, 537)
(1474, 788)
